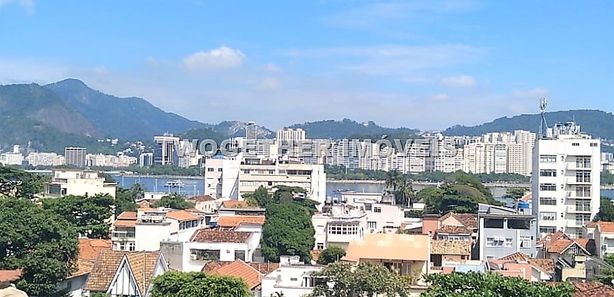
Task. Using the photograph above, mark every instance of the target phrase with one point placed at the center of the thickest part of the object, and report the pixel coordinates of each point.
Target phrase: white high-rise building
(566, 179)
(289, 135)
(166, 149)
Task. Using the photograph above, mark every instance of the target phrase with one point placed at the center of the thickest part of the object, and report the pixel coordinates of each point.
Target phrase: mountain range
(69, 113)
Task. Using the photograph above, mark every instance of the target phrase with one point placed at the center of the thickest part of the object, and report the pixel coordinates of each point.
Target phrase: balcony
(122, 236)
(577, 209)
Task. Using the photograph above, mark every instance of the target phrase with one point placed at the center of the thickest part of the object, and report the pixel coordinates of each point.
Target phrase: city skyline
(402, 59)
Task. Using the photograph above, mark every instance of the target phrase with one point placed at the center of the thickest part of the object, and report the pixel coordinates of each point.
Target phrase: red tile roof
(142, 265)
(235, 204)
(201, 198)
(235, 221)
(448, 229)
(89, 248)
(593, 289)
(606, 226)
(10, 275)
(466, 219)
(209, 235)
(182, 215)
(240, 269)
(127, 215)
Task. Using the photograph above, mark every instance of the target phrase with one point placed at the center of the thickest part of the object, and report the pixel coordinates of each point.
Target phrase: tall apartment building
(166, 149)
(146, 159)
(287, 134)
(75, 156)
(566, 179)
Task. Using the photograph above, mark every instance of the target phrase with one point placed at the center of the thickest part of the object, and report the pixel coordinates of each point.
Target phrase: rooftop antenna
(543, 126)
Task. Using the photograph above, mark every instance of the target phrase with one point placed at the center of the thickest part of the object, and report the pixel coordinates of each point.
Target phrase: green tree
(474, 284)
(288, 229)
(361, 280)
(174, 201)
(125, 198)
(15, 182)
(39, 241)
(515, 193)
(330, 255)
(198, 284)
(606, 274)
(90, 214)
(606, 210)
(260, 197)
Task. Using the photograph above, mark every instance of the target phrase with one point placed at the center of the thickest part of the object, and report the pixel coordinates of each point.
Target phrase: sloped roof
(593, 289)
(466, 219)
(547, 265)
(235, 221)
(449, 229)
(264, 268)
(605, 226)
(451, 247)
(127, 215)
(209, 235)
(235, 204)
(517, 256)
(201, 198)
(88, 253)
(240, 269)
(389, 247)
(10, 275)
(182, 215)
(125, 223)
(142, 265)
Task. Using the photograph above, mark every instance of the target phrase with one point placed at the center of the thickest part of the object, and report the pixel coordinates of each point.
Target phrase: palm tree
(406, 193)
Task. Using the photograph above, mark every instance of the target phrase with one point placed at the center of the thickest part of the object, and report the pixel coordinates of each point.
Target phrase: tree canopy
(330, 255)
(90, 214)
(362, 280)
(125, 199)
(288, 229)
(174, 201)
(474, 284)
(15, 182)
(606, 210)
(198, 284)
(39, 241)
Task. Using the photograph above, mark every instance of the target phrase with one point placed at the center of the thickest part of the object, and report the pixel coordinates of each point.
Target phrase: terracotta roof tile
(125, 223)
(235, 204)
(518, 256)
(89, 248)
(182, 215)
(467, 219)
(127, 215)
(448, 229)
(10, 275)
(108, 261)
(264, 268)
(201, 198)
(546, 265)
(242, 270)
(606, 226)
(593, 289)
(235, 221)
(209, 235)
(451, 247)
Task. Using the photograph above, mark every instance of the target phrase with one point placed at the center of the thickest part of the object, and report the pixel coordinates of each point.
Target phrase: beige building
(79, 182)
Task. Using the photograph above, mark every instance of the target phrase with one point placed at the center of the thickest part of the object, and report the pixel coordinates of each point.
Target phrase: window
(493, 223)
(371, 225)
(583, 162)
(583, 176)
(320, 246)
(582, 219)
(377, 209)
(594, 144)
(240, 255)
(547, 172)
(548, 216)
(497, 241)
(210, 169)
(343, 229)
(547, 187)
(583, 191)
(201, 255)
(368, 206)
(583, 205)
(219, 169)
(131, 246)
(575, 144)
(525, 241)
(547, 159)
(122, 246)
(308, 282)
(547, 229)
(547, 200)
(518, 224)
(508, 242)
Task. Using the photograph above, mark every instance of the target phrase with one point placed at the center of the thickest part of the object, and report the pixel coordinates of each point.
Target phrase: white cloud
(215, 59)
(28, 5)
(462, 81)
(270, 67)
(269, 84)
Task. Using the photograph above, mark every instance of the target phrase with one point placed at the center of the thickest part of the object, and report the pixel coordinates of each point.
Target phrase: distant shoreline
(355, 181)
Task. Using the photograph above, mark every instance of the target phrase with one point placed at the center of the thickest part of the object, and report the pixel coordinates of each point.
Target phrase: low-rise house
(120, 273)
(211, 245)
(7, 289)
(556, 245)
(403, 253)
(503, 231)
(604, 238)
(452, 232)
(593, 289)
(521, 265)
(204, 203)
(444, 252)
(339, 226)
(291, 279)
(251, 273)
(89, 249)
(239, 207)
(468, 220)
(240, 223)
(123, 231)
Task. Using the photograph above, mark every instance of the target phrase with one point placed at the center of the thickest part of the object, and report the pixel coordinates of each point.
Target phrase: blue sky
(419, 64)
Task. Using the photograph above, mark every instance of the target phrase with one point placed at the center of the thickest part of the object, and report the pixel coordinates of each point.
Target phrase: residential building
(120, 273)
(290, 135)
(45, 159)
(339, 226)
(445, 252)
(604, 238)
(566, 180)
(78, 182)
(252, 273)
(291, 279)
(204, 203)
(503, 231)
(521, 265)
(166, 149)
(236, 176)
(13, 157)
(403, 253)
(146, 159)
(89, 249)
(75, 156)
